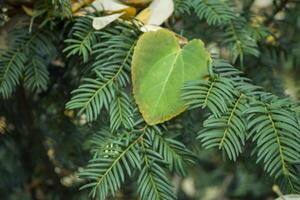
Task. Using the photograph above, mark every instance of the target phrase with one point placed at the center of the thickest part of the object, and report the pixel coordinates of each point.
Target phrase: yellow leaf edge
(146, 117)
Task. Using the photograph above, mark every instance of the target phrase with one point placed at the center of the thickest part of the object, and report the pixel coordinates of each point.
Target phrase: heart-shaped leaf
(160, 68)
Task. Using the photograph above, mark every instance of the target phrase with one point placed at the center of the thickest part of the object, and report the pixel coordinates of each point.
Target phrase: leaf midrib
(178, 53)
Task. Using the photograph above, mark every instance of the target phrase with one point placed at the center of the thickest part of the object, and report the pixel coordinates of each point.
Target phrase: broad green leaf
(160, 68)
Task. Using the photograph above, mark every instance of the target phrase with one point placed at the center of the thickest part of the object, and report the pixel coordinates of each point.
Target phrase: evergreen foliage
(247, 113)
(111, 67)
(215, 12)
(16, 61)
(82, 39)
(183, 6)
(141, 152)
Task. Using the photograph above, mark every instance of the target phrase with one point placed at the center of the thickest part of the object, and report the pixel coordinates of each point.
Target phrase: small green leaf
(160, 68)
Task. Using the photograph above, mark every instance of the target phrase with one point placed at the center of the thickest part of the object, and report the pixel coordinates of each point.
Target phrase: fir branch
(216, 12)
(107, 171)
(15, 60)
(153, 182)
(239, 41)
(183, 6)
(275, 131)
(215, 94)
(36, 75)
(227, 132)
(173, 152)
(83, 37)
(111, 67)
(121, 112)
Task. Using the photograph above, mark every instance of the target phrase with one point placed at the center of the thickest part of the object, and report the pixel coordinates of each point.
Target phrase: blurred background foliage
(48, 163)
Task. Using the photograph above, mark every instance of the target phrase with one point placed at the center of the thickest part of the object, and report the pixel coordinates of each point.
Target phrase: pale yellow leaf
(157, 12)
(144, 15)
(108, 5)
(101, 22)
(136, 2)
(149, 27)
(28, 10)
(262, 3)
(79, 4)
(129, 13)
